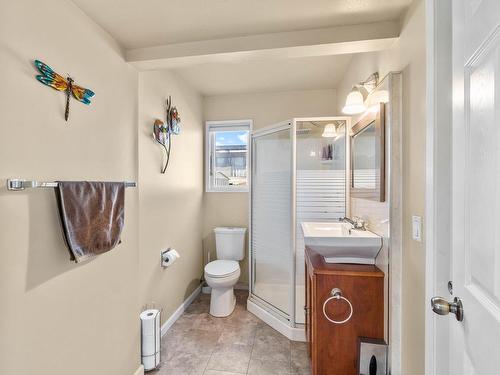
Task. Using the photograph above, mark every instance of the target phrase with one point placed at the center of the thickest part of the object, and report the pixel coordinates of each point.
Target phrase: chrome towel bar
(18, 185)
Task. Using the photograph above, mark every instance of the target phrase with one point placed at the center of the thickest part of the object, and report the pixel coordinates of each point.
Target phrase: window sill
(243, 190)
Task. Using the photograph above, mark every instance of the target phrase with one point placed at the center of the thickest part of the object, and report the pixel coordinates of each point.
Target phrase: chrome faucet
(356, 222)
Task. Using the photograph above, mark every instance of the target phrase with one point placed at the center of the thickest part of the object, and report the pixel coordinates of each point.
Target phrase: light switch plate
(416, 222)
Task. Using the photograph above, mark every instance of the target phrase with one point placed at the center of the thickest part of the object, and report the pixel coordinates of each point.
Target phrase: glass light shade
(379, 96)
(329, 131)
(354, 103)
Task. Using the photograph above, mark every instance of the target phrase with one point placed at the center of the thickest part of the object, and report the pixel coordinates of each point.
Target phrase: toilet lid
(220, 268)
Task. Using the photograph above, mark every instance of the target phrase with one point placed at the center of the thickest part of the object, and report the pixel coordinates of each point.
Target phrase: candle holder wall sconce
(163, 130)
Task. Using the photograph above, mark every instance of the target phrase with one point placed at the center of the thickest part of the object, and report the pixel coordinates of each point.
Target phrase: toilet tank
(230, 243)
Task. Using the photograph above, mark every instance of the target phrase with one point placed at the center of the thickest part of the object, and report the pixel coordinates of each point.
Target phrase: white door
(475, 341)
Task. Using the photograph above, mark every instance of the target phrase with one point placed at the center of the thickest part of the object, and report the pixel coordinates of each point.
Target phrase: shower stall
(298, 173)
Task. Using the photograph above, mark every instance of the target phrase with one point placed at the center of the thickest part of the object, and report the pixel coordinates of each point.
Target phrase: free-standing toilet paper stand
(151, 359)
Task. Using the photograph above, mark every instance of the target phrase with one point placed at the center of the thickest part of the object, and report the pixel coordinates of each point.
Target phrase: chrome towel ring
(336, 293)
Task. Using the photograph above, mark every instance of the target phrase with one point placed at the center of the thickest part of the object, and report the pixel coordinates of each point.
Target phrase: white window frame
(226, 125)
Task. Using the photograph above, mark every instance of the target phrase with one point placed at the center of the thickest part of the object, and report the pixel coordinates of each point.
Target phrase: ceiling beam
(317, 42)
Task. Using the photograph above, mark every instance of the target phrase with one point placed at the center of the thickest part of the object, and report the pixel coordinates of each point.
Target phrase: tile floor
(199, 344)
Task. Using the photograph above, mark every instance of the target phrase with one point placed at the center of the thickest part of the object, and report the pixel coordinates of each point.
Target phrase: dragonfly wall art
(54, 80)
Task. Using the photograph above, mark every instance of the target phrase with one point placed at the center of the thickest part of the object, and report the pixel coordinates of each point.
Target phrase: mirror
(368, 157)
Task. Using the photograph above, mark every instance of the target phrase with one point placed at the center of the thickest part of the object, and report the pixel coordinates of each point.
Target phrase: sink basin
(339, 243)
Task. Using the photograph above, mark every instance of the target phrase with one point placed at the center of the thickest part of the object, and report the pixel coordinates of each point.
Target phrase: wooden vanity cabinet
(333, 348)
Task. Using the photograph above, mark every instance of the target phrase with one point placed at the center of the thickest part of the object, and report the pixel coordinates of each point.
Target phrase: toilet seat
(222, 268)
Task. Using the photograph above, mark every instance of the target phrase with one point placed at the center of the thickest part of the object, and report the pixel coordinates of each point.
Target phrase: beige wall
(171, 203)
(264, 109)
(57, 317)
(84, 318)
(408, 56)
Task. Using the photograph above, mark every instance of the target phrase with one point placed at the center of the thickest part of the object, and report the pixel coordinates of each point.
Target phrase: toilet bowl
(223, 274)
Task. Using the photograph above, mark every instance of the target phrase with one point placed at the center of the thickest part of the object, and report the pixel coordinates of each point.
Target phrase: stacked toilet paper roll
(151, 338)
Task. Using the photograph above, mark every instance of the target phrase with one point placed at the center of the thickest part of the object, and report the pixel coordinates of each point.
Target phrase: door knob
(443, 307)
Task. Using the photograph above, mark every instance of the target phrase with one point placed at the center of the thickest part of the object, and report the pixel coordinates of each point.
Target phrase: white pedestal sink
(339, 243)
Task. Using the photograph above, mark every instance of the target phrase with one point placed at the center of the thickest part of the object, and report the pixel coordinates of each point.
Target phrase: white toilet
(223, 274)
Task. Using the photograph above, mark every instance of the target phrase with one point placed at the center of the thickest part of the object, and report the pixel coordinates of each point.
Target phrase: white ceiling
(305, 73)
(136, 23)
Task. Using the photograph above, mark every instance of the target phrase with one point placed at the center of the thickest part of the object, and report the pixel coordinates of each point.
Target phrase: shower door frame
(347, 195)
(291, 125)
(288, 318)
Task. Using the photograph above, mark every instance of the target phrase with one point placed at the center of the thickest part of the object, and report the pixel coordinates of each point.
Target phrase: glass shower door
(271, 217)
(320, 186)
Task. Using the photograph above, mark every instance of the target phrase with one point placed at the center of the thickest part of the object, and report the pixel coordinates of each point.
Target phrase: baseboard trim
(180, 310)
(140, 370)
(294, 334)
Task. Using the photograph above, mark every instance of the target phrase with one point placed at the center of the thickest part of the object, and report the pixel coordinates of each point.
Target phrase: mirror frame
(378, 116)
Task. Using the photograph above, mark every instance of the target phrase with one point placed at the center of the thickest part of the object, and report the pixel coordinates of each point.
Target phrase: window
(226, 155)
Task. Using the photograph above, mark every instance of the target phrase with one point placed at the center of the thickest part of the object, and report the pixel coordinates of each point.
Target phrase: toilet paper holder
(168, 257)
(156, 352)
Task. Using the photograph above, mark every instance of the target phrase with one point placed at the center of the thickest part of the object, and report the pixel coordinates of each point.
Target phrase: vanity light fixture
(330, 131)
(355, 101)
(379, 96)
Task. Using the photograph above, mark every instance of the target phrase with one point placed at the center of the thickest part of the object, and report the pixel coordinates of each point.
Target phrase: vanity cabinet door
(337, 344)
(307, 312)
(333, 348)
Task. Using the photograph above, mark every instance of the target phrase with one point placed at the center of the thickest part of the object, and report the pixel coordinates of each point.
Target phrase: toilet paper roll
(151, 362)
(150, 344)
(150, 338)
(150, 321)
(170, 257)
